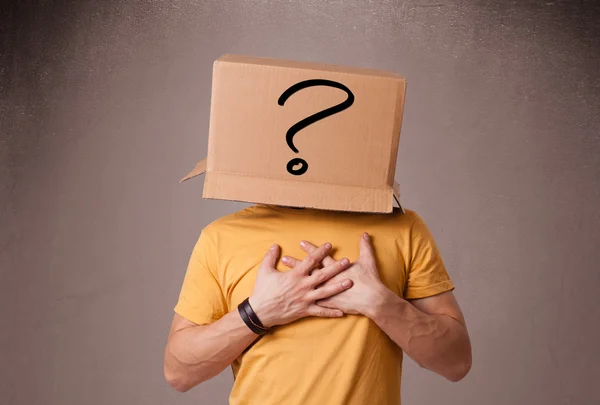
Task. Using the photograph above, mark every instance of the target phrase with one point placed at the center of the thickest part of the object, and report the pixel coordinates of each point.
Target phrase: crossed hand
(318, 285)
(363, 273)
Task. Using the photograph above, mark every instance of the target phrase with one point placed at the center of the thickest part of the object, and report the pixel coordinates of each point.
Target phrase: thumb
(270, 259)
(366, 249)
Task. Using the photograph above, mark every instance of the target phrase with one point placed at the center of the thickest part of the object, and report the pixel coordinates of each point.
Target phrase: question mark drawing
(289, 136)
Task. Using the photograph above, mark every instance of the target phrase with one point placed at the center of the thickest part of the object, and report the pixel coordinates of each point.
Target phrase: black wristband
(252, 314)
(250, 319)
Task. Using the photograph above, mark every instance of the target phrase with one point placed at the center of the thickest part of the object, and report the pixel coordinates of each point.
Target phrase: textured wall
(104, 106)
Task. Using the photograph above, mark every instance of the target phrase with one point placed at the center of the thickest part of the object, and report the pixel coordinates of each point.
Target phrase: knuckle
(319, 276)
(336, 270)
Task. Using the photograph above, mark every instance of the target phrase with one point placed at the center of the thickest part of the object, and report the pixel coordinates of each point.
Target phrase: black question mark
(289, 136)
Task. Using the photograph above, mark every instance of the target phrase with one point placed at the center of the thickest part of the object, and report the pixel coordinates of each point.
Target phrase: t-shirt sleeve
(201, 298)
(427, 274)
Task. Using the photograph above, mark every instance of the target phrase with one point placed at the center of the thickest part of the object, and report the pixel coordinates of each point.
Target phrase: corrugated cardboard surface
(351, 155)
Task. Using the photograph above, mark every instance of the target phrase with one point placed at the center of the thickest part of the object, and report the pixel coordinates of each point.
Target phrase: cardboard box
(303, 134)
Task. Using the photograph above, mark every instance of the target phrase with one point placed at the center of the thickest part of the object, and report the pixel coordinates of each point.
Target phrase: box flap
(396, 190)
(368, 198)
(293, 193)
(196, 171)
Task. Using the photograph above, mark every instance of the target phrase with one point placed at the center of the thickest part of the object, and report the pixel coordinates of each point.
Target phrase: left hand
(367, 286)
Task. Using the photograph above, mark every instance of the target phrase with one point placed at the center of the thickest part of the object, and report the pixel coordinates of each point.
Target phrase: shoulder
(235, 220)
(418, 227)
(406, 219)
(414, 218)
(406, 226)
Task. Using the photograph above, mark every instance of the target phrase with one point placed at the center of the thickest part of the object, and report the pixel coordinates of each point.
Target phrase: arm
(196, 353)
(431, 331)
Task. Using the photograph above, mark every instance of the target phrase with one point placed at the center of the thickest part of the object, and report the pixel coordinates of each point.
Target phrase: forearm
(438, 343)
(198, 353)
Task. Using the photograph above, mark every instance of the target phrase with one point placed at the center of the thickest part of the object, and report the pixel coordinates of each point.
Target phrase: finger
(366, 248)
(329, 290)
(326, 303)
(315, 310)
(309, 248)
(290, 261)
(270, 258)
(314, 259)
(320, 276)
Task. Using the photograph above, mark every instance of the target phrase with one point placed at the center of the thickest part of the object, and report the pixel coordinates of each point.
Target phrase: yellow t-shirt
(313, 361)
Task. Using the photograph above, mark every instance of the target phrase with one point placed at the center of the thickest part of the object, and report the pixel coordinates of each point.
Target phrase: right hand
(283, 297)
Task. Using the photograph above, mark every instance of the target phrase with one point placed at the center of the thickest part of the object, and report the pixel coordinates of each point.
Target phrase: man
(335, 329)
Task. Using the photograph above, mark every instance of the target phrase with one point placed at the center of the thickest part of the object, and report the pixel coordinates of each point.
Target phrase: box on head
(303, 134)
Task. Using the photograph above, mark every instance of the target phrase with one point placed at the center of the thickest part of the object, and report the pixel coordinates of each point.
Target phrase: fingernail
(339, 313)
(366, 236)
(273, 247)
(302, 243)
(285, 259)
(328, 245)
(344, 261)
(346, 283)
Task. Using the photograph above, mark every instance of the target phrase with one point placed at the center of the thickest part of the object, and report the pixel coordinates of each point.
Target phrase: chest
(237, 274)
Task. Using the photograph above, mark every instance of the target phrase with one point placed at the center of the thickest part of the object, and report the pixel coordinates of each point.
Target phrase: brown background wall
(104, 106)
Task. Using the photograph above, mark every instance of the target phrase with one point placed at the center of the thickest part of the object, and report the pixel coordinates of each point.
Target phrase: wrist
(381, 299)
(261, 312)
(250, 318)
